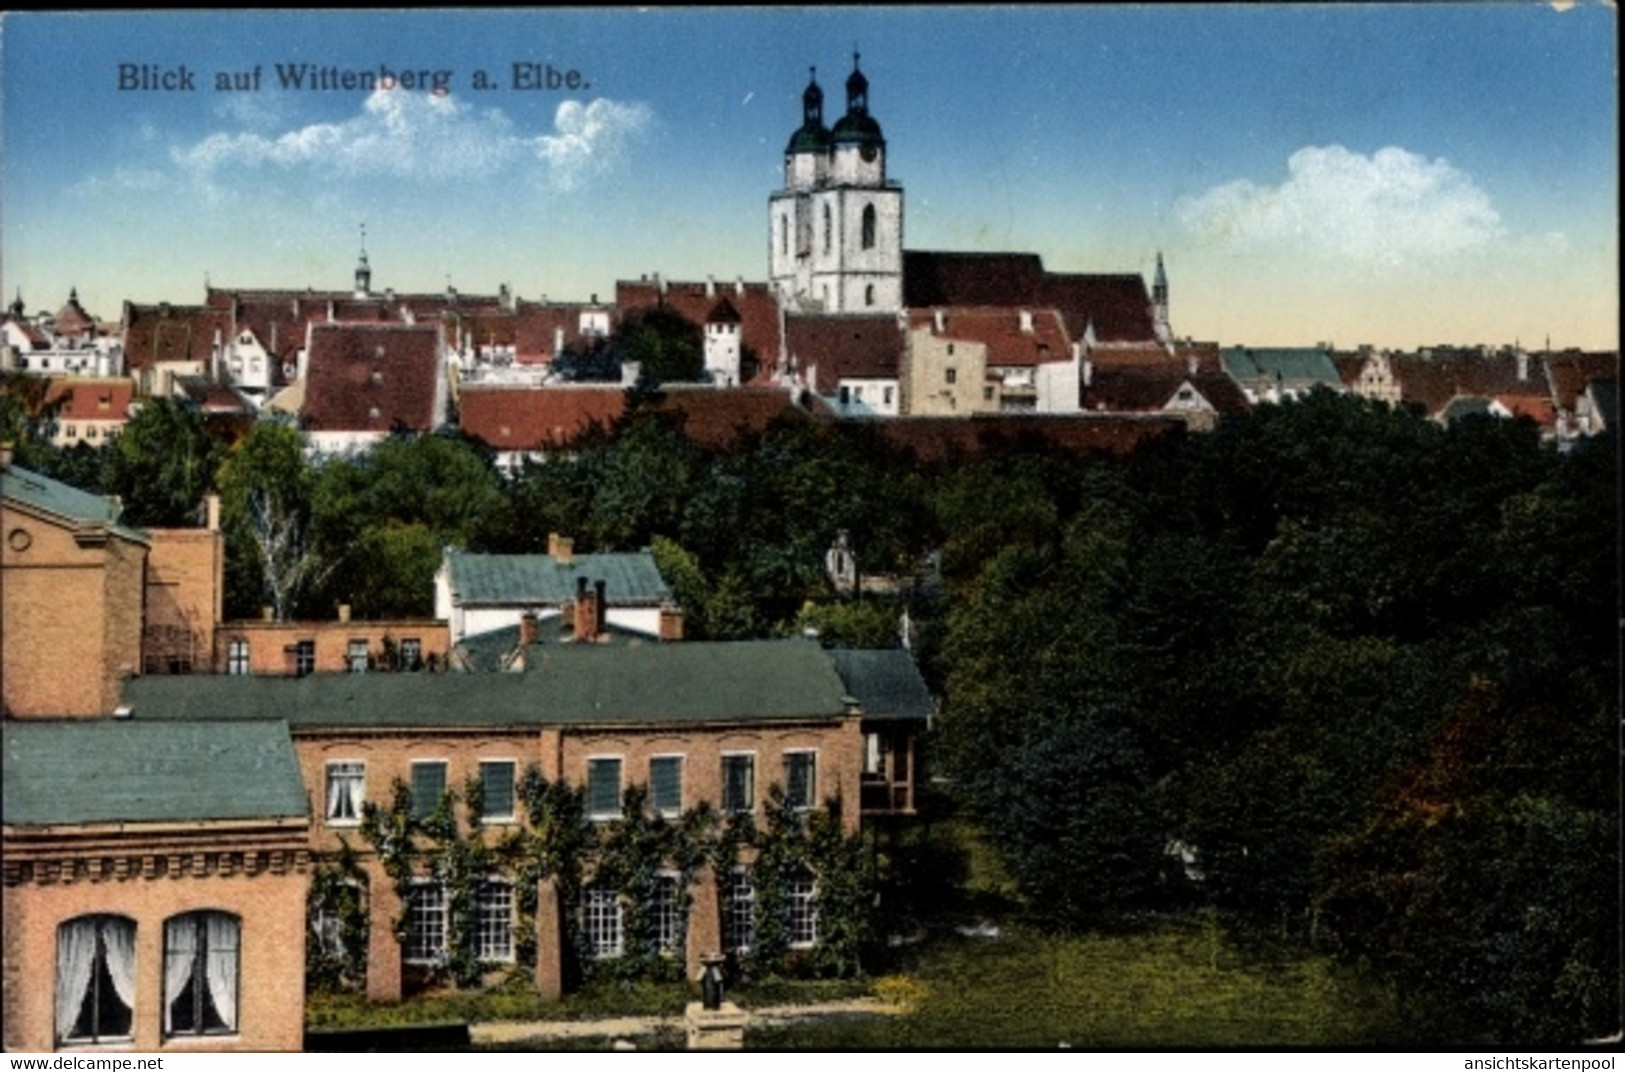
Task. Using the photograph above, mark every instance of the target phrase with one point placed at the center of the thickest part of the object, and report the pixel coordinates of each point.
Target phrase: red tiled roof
(371, 377)
(91, 399)
(836, 346)
(1539, 410)
(537, 418)
(719, 417)
(164, 332)
(1570, 371)
(937, 440)
(537, 326)
(1432, 382)
(933, 279)
(755, 303)
(213, 397)
(999, 329)
(1147, 388)
(72, 319)
(1119, 306)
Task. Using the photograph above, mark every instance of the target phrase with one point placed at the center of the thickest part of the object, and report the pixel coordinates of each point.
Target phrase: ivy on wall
(630, 854)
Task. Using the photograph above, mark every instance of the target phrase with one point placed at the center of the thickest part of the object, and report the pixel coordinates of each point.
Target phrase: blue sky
(1399, 175)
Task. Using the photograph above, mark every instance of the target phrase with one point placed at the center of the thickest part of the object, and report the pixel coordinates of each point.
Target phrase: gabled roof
(1146, 388)
(1570, 371)
(631, 579)
(886, 683)
(1288, 367)
(371, 377)
(649, 683)
(719, 417)
(537, 418)
(211, 396)
(840, 346)
(85, 771)
(1433, 380)
(84, 399)
(538, 325)
(72, 319)
(79, 509)
(1605, 395)
(165, 332)
(755, 303)
(1000, 330)
(933, 278)
(1118, 305)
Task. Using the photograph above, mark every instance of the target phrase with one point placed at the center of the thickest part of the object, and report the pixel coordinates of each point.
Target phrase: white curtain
(118, 939)
(221, 965)
(180, 950)
(358, 792)
(75, 962)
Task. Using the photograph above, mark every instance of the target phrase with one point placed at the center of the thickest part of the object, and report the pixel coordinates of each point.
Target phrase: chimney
(1193, 362)
(560, 548)
(344, 612)
(528, 629)
(938, 321)
(600, 608)
(1026, 321)
(558, 341)
(211, 512)
(5, 455)
(587, 608)
(1088, 372)
(671, 622)
(710, 286)
(1523, 366)
(739, 286)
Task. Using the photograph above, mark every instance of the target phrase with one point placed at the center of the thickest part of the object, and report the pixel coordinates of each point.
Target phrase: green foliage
(338, 890)
(162, 464)
(865, 623)
(667, 347)
(266, 487)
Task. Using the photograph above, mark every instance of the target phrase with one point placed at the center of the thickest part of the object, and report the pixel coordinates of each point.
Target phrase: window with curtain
(346, 791)
(801, 779)
(738, 783)
(95, 978)
(201, 973)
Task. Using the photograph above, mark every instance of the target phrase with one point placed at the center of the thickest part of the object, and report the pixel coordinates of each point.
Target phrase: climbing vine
(337, 895)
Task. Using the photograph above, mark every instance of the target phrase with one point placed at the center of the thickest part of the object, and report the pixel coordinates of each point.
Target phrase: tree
(266, 486)
(665, 345)
(162, 465)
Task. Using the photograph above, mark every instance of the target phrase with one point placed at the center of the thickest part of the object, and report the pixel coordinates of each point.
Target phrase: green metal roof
(810, 138)
(1299, 366)
(635, 682)
(885, 682)
(857, 129)
(118, 770)
(630, 579)
(64, 501)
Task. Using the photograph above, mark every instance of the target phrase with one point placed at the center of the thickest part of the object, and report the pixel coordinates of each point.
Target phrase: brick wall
(269, 643)
(184, 592)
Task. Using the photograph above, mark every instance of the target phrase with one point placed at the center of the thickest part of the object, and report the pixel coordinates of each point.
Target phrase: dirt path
(496, 1033)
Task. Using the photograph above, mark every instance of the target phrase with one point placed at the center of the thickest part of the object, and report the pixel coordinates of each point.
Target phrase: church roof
(835, 347)
(72, 319)
(371, 377)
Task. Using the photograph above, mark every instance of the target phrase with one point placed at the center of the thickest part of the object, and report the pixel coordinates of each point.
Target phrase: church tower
(363, 272)
(1159, 304)
(835, 240)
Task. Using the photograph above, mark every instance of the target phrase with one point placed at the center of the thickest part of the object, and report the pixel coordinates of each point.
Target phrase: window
(887, 395)
(784, 235)
(493, 921)
(828, 231)
(738, 783)
(601, 921)
(496, 785)
(950, 375)
(873, 760)
(869, 230)
(801, 909)
(304, 657)
(411, 654)
(869, 294)
(739, 918)
(987, 394)
(846, 395)
(237, 657)
(604, 788)
(95, 978)
(346, 790)
(355, 657)
(801, 779)
(665, 913)
(426, 924)
(200, 974)
(428, 786)
(666, 785)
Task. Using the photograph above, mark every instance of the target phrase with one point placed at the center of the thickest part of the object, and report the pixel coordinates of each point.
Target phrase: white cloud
(428, 136)
(1389, 207)
(590, 138)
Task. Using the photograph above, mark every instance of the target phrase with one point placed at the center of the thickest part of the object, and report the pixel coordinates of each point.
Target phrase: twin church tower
(836, 241)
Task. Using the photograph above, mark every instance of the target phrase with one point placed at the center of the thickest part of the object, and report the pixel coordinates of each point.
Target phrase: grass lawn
(1177, 984)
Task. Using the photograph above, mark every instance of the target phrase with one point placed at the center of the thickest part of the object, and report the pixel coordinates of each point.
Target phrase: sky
(1399, 175)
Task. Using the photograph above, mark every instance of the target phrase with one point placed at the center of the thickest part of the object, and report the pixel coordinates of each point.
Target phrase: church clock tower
(836, 229)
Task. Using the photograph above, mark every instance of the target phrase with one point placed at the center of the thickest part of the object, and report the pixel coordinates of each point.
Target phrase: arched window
(869, 294)
(784, 236)
(868, 227)
(201, 973)
(95, 978)
(829, 229)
